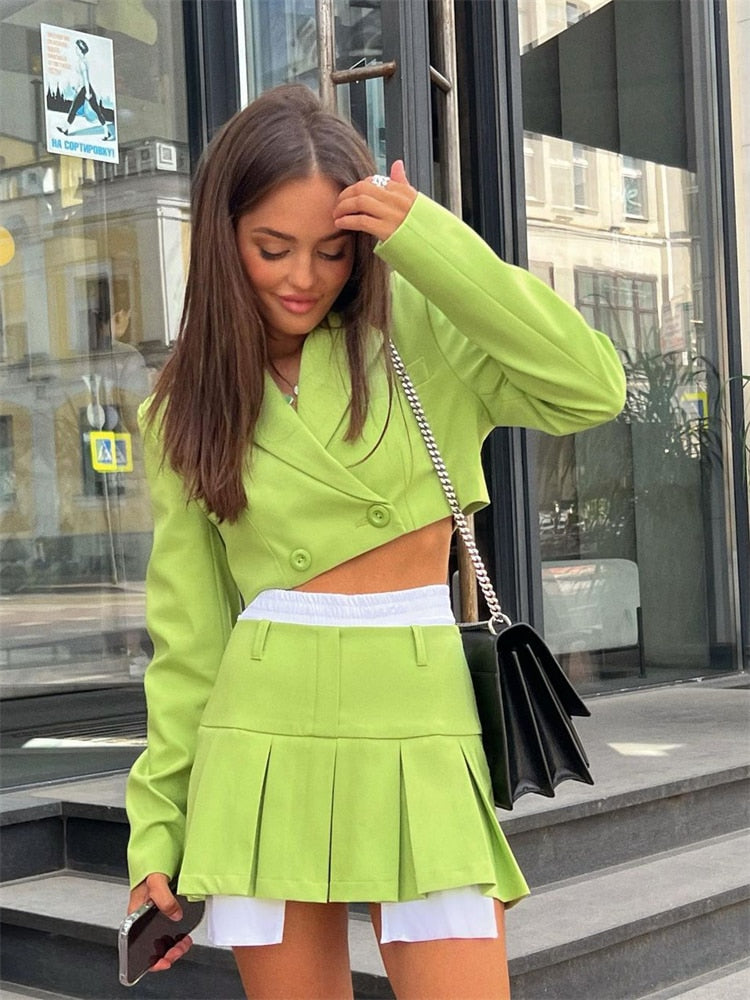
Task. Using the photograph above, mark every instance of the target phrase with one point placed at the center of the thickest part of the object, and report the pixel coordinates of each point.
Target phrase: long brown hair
(211, 389)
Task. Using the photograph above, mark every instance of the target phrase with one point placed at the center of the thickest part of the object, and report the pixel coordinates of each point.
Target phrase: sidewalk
(654, 754)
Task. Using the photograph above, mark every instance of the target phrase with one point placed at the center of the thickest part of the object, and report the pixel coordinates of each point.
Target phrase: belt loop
(420, 650)
(259, 642)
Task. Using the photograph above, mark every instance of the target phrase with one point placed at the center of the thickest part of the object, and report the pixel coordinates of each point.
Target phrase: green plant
(658, 388)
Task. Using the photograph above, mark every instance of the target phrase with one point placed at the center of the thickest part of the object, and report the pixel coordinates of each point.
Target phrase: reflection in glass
(90, 299)
(625, 511)
(282, 48)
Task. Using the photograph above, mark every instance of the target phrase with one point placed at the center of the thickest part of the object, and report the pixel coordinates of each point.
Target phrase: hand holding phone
(147, 935)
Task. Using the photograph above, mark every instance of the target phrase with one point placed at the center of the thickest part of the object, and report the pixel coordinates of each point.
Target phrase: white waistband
(417, 606)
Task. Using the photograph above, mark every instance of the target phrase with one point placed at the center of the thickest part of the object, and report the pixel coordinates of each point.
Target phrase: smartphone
(146, 935)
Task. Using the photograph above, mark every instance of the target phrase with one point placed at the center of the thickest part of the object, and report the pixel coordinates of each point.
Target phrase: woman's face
(295, 257)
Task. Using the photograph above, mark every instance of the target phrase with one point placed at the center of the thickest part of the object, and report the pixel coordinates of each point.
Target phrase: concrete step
(671, 768)
(13, 991)
(598, 831)
(635, 928)
(631, 930)
(730, 983)
(59, 931)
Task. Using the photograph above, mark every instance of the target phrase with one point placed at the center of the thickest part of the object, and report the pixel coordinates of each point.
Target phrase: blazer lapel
(323, 401)
(298, 439)
(324, 394)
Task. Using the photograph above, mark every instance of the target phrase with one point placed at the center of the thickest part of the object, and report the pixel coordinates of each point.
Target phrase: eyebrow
(265, 231)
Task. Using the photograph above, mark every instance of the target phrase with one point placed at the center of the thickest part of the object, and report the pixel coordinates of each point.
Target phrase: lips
(297, 305)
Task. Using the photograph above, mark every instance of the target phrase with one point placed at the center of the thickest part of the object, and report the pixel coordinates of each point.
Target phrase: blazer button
(300, 560)
(378, 515)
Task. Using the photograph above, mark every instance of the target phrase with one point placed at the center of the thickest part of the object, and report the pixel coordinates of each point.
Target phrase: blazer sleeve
(529, 357)
(191, 605)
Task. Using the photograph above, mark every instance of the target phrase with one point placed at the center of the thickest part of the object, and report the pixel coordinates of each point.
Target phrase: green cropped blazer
(486, 343)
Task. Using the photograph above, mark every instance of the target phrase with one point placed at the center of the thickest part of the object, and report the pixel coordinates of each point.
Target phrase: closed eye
(267, 255)
(333, 256)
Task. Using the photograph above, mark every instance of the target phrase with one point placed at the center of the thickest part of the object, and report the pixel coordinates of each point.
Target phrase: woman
(324, 745)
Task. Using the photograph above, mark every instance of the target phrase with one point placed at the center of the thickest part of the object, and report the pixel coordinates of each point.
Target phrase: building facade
(602, 144)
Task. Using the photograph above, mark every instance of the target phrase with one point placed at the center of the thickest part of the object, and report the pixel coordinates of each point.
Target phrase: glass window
(282, 43)
(533, 158)
(282, 47)
(92, 272)
(560, 160)
(359, 42)
(584, 177)
(634, 189)
(621, 305)
(631, 515)
(527, 29)
(543, 270)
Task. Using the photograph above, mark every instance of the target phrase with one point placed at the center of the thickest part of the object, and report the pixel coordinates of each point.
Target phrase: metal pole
(446, 77)
(326, 52)
(370, 72)
(448, 72)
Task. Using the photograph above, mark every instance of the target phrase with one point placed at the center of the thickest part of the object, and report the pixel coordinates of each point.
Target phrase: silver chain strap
(459, 517)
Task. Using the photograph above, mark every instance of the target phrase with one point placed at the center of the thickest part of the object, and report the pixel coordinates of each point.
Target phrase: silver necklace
(291, 399)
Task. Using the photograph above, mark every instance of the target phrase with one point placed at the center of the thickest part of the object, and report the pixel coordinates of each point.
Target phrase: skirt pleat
(365, 844)
(295, 820)
(215, 784)
(317, 812)
(429, 765)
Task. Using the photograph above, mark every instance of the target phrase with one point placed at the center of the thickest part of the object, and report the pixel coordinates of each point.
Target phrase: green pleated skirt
(340, 764)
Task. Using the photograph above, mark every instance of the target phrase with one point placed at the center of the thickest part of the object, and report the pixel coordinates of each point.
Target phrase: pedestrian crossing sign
(111, 452)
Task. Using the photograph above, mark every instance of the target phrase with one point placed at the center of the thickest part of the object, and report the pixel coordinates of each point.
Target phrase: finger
(366, 188)
(138, 896)
(379, 211)
(364, 197)
(180, 949)
(365, 224)
(359, 187)
(378, 225)
(174, 954)
(379, 203)
(359, 202)
(162, 896)
(398, 172)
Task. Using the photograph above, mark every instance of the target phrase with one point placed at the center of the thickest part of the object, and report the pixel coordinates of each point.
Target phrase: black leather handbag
(524, 700)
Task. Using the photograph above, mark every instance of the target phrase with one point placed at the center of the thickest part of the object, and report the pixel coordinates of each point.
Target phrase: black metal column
(211, 60)
(735, 389)
(492, 147)
(408, 120)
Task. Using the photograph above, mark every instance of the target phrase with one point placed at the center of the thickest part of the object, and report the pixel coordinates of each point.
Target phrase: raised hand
(377, 208)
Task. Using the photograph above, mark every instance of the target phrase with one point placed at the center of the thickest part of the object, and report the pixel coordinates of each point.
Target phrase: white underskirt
(243, 921)
(463, 912)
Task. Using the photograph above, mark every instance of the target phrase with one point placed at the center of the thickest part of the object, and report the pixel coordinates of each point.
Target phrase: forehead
(301, 204)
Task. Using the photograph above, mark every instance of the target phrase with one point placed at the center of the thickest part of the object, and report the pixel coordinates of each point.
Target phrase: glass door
(367, 58)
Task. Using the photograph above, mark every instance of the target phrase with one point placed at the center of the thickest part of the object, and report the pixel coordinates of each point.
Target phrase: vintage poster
(79, 91)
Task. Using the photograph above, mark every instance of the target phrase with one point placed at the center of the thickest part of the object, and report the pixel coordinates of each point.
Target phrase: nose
(302, 273)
